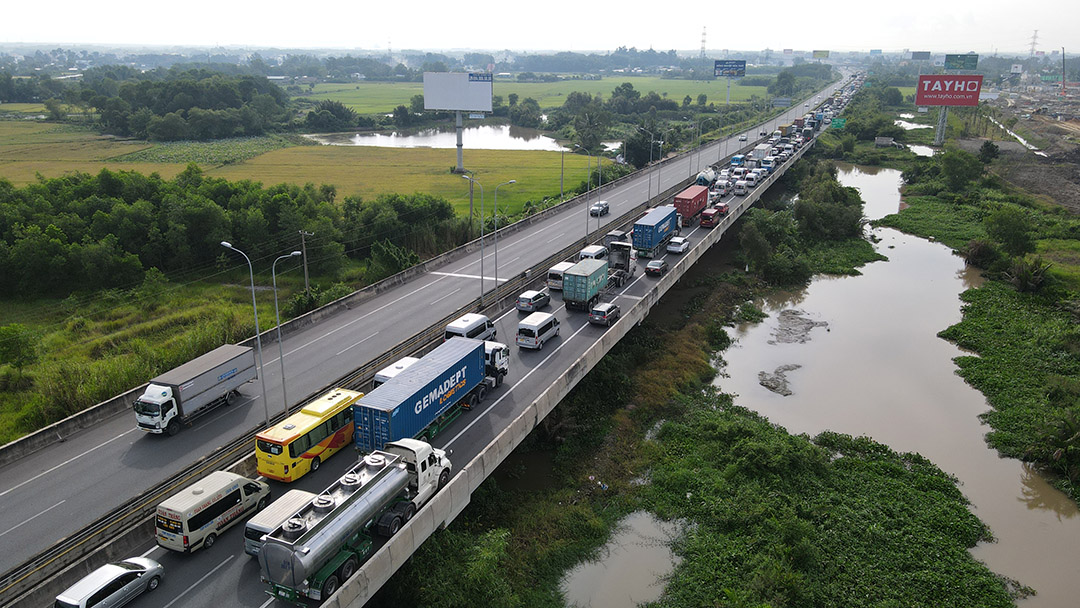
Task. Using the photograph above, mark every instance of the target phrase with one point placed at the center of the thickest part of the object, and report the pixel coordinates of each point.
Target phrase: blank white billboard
(465, 91)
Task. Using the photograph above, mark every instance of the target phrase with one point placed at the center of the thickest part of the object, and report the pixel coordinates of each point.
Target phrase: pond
(871, 364)
(484, 137)
(631, 569)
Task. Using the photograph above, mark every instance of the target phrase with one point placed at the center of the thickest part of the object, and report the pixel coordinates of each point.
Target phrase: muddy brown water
(631, 569)
(872, 365)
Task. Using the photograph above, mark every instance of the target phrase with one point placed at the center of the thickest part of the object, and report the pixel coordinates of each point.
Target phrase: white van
(596, 252)
(738, 173)
(740, 188)
(751, 179)
(198, 514)
(471, 325)
(267, 520)
(536, 329)
(554, 278)
(385, 374)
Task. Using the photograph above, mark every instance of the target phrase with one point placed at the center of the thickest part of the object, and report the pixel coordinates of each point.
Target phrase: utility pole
(303, 249)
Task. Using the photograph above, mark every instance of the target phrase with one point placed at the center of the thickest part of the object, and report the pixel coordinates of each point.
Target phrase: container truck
(760, 151)
(583, 282)
(428, 395)
(807, 133)
(799, 122)
(652, 232)
(690, 202)
(620, 263)
(180, 395)
(323, 543)
(615, 236)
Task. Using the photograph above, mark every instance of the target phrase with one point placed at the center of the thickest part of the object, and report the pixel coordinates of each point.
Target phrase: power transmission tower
(1034, 42)
(703, 53)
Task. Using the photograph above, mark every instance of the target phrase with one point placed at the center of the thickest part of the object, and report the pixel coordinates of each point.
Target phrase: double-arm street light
(588, 182)
(277, 319)
(481, 235)
(258, 335)
(513, 181)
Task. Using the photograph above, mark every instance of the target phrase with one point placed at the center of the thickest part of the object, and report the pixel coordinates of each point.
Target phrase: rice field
(383, 97)
(369, 171)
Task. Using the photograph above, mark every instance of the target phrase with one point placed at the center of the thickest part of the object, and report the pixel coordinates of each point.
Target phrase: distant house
(883, 142)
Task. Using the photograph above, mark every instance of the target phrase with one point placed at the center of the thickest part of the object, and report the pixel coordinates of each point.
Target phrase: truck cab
(155, 409)
(429, 468)
(496, 362)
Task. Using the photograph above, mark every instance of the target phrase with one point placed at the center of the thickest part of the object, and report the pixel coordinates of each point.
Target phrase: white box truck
(180, 395)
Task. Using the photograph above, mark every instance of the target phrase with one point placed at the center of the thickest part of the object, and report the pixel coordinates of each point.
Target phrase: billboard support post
(457, 117)
(939, 133)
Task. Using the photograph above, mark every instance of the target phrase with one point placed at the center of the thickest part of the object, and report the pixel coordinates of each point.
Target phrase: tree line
(90, 232)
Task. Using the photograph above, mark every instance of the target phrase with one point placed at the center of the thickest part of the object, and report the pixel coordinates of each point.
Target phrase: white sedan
(678, 244)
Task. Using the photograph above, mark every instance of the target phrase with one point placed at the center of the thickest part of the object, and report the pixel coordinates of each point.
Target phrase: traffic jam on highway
(306, 539)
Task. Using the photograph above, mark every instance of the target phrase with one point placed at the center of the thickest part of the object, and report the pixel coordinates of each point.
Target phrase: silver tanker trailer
(323, 543)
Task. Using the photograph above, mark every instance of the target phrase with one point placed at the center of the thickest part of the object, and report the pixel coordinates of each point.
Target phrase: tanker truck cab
(429, 470)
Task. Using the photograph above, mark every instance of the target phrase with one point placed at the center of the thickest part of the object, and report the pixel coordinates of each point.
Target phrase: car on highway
(599, 208)
(678, 244)
(532, 300)
(604, 313)
(113, 584)
(806, 105)
(657, 267)
(742, 137)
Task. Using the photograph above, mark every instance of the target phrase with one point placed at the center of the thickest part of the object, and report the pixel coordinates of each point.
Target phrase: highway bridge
(50, 497)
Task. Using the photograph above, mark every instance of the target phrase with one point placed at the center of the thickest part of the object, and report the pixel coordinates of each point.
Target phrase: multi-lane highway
(56, 491)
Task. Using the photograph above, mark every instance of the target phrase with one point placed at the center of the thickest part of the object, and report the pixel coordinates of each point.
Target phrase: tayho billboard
(948, 90)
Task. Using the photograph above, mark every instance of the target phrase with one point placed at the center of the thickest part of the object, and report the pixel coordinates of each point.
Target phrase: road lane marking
(444, 297)
(362, 317)
(68, 461)
(480, 417)
(339, 353)
(196, 583)
(557, 237)
(29, 519)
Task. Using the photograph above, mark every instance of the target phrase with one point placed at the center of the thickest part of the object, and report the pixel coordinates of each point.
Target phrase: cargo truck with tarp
(426, 396)
(652, 232)
(321, 545)
(180, 395)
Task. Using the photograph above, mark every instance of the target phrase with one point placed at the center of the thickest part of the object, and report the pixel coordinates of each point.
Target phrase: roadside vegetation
(768, 518)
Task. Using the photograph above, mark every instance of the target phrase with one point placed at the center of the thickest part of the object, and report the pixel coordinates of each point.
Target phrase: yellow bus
(298, 444)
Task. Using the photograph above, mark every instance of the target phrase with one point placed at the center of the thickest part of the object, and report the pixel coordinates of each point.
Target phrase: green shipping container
(583, 281)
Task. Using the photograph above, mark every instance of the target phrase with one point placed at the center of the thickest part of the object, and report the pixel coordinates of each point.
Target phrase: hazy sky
(842, 25)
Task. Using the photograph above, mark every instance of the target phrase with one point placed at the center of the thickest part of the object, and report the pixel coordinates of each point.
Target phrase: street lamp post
(588, 181)
(277, 319)
(258, 336)
(660, 165)
(651, 142)
(513, 181)
(471, 180)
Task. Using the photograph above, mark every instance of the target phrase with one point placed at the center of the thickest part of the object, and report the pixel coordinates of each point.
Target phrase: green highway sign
(961, 62)
(838, 123)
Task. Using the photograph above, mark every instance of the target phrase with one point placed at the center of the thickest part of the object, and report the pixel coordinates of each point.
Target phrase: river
(876, 367)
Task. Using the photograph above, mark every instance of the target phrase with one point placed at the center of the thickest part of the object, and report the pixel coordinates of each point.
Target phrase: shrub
(981, 253)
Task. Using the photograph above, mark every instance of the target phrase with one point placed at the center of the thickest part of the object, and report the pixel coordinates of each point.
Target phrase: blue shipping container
(651, 230)
(406, 404)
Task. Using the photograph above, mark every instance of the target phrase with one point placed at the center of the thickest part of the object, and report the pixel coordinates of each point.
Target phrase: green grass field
(22, 108)
(28, 149)
(380, 97)
(369, 171)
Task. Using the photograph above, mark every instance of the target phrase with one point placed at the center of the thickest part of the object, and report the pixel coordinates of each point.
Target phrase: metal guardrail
(69, 550)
